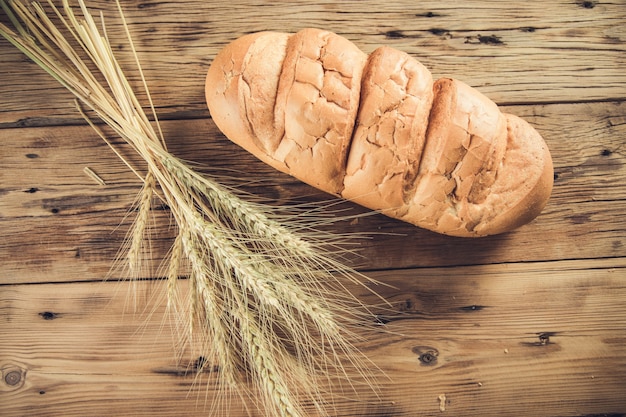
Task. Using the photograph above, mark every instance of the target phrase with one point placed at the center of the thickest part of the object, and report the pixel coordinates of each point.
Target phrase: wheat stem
(264, 301)
(134, 255)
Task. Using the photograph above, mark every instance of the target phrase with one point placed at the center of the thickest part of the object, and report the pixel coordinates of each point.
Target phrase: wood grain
(528, 323)
(534, 340)
(529, 53)
(79, 225)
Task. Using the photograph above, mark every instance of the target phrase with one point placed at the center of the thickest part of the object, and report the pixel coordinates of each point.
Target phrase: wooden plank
(535, 52)
(529, 323)
(59, 224)
(539, 339)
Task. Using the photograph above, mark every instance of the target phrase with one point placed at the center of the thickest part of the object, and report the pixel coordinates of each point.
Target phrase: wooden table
(530, 323)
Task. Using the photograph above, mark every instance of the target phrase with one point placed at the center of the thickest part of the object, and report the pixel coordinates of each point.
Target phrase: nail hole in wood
(473, 307)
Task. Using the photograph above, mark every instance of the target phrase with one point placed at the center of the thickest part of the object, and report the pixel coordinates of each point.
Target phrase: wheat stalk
(139, 229)
(266, 302)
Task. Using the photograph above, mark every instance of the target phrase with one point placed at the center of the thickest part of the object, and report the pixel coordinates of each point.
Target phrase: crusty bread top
(465, 143)
(317, 100)
(260, 75)
(523, 182)
(378, 131)
(390, 133)
(240, 91)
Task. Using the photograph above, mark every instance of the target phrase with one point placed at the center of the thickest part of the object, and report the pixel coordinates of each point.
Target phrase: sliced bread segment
(396, 96)
(318, 98)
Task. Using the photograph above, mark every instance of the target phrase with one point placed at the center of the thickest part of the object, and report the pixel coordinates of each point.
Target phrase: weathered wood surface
(529, 323)
(539, 339)
(583, 219)
(523, 52)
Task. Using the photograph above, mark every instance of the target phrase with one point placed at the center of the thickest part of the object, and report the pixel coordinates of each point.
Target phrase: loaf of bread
(379, 131)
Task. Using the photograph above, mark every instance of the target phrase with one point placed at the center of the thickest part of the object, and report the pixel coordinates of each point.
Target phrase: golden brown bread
(390, 132)
(317, 100)
(378, 131)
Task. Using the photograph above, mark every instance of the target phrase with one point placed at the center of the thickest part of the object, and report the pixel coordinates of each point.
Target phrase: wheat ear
(267, 301)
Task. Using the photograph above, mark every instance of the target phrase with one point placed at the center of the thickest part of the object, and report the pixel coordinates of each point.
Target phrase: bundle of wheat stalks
(266, 301)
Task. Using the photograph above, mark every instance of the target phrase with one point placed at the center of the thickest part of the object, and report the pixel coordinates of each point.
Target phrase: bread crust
(390, 133)
(465, 143)
(524, 180)
(241, 88)
(317, 101)
(377, 130)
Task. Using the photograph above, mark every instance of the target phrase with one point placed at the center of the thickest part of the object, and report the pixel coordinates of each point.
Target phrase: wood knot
(13, 377)
(200, 363)
(438, 31)
(428, 14)
(484, 40)
(544, 338)
(426, 355)
(586, 4)
(394, 34)
(48, 315)
(428, 358)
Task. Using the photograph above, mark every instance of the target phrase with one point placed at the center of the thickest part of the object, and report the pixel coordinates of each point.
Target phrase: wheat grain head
(267, 299)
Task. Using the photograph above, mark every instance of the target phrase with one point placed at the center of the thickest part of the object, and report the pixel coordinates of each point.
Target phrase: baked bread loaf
(379, 131)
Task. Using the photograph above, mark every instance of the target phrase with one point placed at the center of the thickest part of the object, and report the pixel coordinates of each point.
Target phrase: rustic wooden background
(531, 323)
